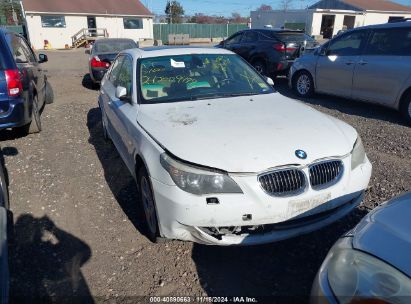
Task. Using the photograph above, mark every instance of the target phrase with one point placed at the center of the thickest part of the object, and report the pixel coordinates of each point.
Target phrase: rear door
(384, 66)
(335, 69)
(32, 74)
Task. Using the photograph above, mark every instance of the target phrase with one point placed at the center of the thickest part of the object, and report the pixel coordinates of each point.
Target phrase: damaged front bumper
(254, 217)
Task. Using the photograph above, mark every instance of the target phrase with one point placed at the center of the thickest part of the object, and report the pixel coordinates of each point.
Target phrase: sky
(226, 7)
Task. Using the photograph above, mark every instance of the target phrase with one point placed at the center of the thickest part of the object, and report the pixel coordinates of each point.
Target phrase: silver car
(372, 263)
(371, 64)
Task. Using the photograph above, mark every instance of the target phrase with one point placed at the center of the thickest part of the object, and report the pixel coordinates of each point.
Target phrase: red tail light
(281, 47)
(14, 83)
(97, 63)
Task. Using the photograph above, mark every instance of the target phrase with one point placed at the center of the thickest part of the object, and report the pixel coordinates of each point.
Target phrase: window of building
(53, 21)
(132, 23)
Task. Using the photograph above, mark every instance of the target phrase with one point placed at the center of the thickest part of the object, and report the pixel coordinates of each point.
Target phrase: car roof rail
(399, 20)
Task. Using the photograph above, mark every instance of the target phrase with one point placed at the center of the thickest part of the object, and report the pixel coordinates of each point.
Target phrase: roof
(175, 51)
(361, 5)
(92, 7)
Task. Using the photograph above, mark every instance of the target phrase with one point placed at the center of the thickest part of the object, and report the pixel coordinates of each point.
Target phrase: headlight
(355, 276)
(197, 180)
(357, 154)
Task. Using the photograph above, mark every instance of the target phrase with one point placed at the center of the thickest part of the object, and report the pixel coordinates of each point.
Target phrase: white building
(327, 17)
(62, 22)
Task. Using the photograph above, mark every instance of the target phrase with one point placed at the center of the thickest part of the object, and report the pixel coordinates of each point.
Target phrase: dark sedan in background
(372, 263)
(103, 53)
(270, 51)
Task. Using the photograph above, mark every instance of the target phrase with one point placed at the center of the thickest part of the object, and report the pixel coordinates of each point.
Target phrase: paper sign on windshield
(177, 64)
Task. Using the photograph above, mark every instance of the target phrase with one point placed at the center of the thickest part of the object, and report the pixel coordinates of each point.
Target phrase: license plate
(306, 206)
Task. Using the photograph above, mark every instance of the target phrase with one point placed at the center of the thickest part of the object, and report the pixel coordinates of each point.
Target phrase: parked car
(371, 263)
(219, 156)
(24, 89)
(371, 64)
(270, 51)
(103, 53)
(4, 228)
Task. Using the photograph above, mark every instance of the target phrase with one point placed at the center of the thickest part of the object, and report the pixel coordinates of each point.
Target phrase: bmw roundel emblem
(301, 154)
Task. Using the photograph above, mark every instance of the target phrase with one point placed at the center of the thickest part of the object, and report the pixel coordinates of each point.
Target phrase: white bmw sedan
(219, 156)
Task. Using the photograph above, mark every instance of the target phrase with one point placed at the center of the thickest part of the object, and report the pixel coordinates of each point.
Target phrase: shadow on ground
(89, 84)
(117, 175)
(46, 263)
(343, 105)
(283, 271)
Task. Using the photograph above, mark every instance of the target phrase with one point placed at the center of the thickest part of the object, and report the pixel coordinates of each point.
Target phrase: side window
(250, 37)
(26, 48)
(114, 72)
(125, 74)
(390, 42)
(234, 39)
(349, 44)
(19, 53)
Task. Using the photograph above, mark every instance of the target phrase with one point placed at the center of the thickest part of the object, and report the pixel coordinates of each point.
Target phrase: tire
(104, 127)
(405, 108)
(303, 84)
(49, 98)
(34, 126)
(147, 205)
(4, 192)
(260, 67)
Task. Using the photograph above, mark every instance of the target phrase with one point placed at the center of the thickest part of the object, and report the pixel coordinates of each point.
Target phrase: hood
(245, 134)
(385, 233)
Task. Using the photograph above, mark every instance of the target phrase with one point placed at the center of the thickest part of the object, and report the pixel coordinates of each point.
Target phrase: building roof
(92, 7)
(361, 5)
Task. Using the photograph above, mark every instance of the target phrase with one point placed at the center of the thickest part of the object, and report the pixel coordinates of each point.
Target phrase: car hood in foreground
(245, 134)
(385, 233)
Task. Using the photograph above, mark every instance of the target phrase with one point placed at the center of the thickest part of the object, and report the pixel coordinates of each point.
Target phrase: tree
(10, 13)
(265, 7)
(286, 4)
(174, 12)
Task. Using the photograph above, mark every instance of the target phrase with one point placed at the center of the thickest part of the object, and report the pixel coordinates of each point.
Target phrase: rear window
(114, 46)
(394, 42)
(289, 36)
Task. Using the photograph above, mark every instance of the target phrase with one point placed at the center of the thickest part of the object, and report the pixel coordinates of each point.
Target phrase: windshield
(202, 76)
(113, 46)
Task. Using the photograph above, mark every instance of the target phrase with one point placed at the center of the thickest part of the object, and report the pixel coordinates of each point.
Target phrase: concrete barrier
(145, 43)
(200, 40)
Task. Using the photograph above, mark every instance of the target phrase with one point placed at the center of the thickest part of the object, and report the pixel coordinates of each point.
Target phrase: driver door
(335, 67)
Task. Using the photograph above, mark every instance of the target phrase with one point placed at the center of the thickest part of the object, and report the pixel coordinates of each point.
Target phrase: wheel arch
(403, 98)
(299, 72)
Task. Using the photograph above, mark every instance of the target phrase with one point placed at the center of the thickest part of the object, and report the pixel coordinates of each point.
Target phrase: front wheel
(147, 205)
(406, 108)
(303, 84)
(260, 67)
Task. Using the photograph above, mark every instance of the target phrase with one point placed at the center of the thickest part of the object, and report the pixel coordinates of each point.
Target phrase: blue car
(371, 263)
(24, 89)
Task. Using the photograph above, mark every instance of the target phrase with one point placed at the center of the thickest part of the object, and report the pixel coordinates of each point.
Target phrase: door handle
(362, 62)
(349, 63)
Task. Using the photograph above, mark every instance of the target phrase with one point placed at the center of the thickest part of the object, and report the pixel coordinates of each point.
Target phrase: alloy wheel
(303, 84)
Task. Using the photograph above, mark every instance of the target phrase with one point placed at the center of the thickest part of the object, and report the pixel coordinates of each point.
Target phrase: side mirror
(121, 93)
(322, 52)
(270, 81)
(43, 58)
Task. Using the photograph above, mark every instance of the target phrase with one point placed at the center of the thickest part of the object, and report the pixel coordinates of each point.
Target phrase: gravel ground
(78, 234)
